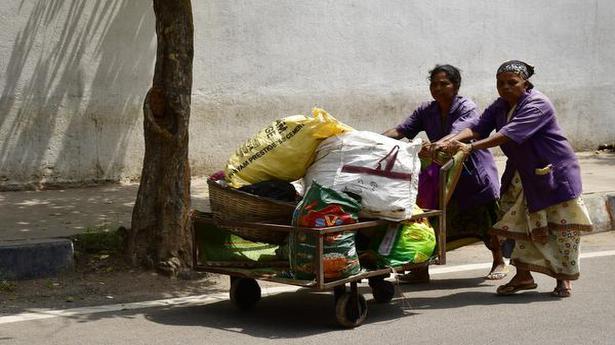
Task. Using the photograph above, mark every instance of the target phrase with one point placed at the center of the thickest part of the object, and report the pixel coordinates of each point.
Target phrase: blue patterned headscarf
(517, 67)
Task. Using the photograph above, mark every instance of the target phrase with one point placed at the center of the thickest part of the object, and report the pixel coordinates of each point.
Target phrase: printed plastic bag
(324, 207)
(410, 242)
(381, 171)
(283, 150)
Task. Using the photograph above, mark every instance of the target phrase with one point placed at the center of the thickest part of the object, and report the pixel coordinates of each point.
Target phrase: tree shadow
(75, 82)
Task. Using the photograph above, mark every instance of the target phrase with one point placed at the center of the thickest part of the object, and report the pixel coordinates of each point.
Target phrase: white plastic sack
(384, 172)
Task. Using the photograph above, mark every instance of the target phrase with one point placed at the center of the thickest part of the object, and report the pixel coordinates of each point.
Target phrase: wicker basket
(228, 204)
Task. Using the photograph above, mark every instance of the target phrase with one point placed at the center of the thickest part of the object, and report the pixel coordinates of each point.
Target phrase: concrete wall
(73, 72)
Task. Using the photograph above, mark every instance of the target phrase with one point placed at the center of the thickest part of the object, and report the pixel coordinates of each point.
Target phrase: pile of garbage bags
(338, 175)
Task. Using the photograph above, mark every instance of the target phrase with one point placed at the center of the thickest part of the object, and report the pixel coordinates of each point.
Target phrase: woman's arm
(464, 135)
(495, 140)
(393, 133)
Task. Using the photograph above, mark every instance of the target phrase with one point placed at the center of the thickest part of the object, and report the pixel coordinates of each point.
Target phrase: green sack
(410, 242)
(216, 244)
(324, 207)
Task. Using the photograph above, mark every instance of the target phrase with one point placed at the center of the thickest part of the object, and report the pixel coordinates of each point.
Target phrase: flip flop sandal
(511, 289)
(497, 275)
(561, 292)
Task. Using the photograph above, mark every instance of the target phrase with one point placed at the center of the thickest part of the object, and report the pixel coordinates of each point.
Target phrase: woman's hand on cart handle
(427, 150)
(456, 145)
(441, 144)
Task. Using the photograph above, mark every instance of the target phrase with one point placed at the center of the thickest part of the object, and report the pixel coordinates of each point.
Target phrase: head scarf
(517, 67)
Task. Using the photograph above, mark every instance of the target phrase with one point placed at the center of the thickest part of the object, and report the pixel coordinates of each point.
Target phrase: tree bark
(160, 235)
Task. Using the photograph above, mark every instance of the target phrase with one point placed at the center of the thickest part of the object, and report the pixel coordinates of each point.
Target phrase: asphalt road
(458, 307)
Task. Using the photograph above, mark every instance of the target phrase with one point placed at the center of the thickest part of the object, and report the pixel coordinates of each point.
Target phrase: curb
(35, 258)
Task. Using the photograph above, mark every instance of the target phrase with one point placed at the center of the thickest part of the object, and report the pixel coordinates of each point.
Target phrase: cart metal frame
(319, 283)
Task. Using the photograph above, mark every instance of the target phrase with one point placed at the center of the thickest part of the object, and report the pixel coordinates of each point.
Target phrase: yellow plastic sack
(283, 150)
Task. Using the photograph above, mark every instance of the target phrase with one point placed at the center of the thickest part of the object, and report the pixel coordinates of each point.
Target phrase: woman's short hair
(452, 73)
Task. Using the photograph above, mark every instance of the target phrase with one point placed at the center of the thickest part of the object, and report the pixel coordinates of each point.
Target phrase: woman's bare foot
(499, 270)
(563, 289)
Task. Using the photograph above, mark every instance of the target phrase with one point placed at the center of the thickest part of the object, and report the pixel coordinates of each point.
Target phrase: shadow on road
(478, 298)
(446, 284)
(287, 315)
(305, 313)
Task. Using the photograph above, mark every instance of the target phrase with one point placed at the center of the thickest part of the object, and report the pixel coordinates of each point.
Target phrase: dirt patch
(101, 279)
(101, 276)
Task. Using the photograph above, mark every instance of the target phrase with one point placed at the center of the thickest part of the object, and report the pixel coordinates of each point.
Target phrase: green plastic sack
(324, 207)
(216, 244)
(410, 242)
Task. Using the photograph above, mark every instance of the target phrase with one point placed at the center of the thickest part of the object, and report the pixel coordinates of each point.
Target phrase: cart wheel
(350, 310)
(382, 290)
(244, 292)
(338, 291)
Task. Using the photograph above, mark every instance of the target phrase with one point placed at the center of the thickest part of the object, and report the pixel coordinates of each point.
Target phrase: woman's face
(511, 86)
(442, 89)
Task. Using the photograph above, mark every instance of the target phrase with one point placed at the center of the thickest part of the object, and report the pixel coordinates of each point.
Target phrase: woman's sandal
(561, 292)
(498, 274)
(511, 289)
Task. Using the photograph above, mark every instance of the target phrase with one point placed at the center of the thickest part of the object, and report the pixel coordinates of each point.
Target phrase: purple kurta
(548, 167)
(478, 183)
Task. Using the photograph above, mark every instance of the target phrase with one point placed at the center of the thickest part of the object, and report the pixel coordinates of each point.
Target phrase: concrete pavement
(27, 216)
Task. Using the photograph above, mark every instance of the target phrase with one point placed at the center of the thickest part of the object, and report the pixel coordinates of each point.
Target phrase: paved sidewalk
(61, 213)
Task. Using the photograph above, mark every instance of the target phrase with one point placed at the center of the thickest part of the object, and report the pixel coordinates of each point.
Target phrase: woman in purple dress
(472, 210)
(541, 187)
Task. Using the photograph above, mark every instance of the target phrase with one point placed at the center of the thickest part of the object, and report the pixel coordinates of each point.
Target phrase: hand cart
(350, 306)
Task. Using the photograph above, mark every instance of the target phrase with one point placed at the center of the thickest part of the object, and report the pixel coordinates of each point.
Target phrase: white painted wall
(73, 72)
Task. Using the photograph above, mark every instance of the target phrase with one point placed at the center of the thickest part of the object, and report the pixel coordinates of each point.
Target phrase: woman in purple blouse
(472, 210)
(541, 187)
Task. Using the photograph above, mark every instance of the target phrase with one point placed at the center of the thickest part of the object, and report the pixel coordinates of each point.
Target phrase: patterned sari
(546, 241)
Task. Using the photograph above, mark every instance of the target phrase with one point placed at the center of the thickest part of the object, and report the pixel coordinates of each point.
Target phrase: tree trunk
(160, 235)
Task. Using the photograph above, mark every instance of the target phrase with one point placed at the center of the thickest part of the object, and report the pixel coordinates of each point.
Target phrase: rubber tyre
(350, 311)
(244, 293)
(338, 292)
(383, 291)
